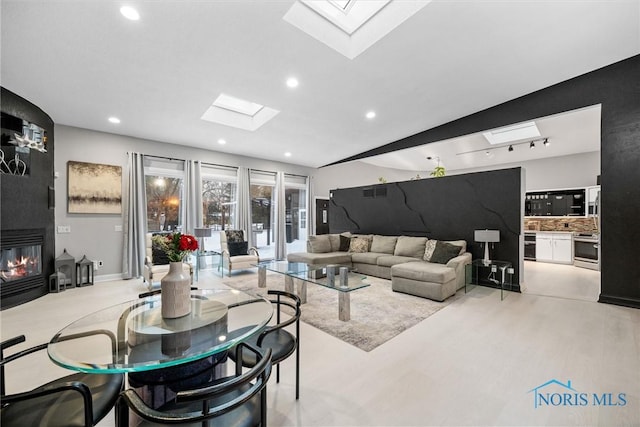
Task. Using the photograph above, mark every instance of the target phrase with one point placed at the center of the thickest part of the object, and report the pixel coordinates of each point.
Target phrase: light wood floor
(472, 363)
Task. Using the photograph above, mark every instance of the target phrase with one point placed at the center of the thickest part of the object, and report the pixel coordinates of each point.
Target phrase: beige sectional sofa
(415, 265)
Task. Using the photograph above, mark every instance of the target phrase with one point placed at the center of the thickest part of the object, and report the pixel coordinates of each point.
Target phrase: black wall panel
(447, 208)
(617, 88)
(25, 201)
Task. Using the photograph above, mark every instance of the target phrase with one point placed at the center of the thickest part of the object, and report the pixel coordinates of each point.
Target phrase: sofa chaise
(418, 266)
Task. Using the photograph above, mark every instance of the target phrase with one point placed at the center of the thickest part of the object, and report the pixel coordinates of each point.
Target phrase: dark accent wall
(617, 88)
(27, 201)
(447, 208)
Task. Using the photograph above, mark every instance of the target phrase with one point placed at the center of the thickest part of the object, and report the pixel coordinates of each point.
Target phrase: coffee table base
(344, 306)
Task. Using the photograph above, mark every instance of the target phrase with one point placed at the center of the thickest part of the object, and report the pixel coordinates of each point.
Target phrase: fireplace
(21, 261)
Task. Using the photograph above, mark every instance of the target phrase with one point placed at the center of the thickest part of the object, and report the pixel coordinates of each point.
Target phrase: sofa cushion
(359, 244)
(444, 252)
(345, 242)
(327, 258)
(390, 260)
(319, 244)
(424, 272)
(410, 246)
(366, 257)
(383, 244)
(334, 239)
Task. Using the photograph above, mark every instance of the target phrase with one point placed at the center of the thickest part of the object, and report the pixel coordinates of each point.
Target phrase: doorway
(322, 216)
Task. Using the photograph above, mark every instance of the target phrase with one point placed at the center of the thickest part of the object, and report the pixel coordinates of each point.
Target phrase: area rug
(377, 313)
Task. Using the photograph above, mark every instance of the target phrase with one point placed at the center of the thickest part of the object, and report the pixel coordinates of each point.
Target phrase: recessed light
(287, 154)
(222, 141)
(129, 13)
(292, 82)
(114, 120)
(371, 114)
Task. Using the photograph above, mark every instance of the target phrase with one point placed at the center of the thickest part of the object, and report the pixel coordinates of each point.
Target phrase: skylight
(349, 16)
(512, 133)
(350, 26)
(238, 105)
(238, 113)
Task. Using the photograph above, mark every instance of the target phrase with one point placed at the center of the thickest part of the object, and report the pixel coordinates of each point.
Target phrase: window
(219, 201)
(163, 183)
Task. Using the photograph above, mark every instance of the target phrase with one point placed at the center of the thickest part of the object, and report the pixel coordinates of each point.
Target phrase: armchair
(235, 254)
(156, 266)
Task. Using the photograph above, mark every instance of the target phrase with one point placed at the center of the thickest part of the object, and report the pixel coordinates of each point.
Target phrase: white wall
(579, 170)
(94, 235)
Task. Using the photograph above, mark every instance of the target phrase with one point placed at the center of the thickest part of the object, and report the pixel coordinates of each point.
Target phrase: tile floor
(473, 363)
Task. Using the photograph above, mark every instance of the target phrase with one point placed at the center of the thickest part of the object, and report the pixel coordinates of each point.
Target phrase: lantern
(84, 273)
(66, 264)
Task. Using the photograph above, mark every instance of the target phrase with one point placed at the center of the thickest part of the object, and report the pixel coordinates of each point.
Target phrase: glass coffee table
(341, 278)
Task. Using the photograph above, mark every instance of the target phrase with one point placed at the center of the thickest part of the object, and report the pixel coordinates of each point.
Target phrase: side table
(202, 254)
(494, 272)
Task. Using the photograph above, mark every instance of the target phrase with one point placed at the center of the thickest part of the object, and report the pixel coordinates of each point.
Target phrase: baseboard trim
(108, 277)
(625, 302)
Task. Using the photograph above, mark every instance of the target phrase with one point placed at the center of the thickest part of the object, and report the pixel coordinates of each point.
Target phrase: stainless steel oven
(586, 251)
(530, 246)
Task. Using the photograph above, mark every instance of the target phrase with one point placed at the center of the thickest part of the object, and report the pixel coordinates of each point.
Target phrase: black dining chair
(238, 400)
(80, 399)
(276, 338)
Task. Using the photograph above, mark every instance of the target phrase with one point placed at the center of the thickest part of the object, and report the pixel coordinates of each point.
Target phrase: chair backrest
(196, 405)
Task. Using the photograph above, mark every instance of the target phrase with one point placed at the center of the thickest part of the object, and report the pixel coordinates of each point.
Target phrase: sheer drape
(243, 212)
(192, 203)
(135, 221)
(280, 210)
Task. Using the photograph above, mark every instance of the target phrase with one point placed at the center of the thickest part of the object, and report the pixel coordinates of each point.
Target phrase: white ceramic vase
(176, 292)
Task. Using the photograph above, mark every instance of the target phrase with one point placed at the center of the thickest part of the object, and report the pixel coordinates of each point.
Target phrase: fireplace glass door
(20, 262)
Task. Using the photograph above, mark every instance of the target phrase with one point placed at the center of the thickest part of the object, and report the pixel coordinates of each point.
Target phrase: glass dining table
(134, 337)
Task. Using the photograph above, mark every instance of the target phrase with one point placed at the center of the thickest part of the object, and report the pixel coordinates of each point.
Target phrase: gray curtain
(243, 207)
(280, 210)
(135, 218)
(192, 203)
(311, 207)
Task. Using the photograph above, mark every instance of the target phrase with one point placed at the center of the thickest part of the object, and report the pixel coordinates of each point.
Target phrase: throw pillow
(359, 245)
(444, 252)
(428, 249)
(345, 243)
(462, 244)
(158, 256)
(234, 235)
(237, 248)
(319, 244)
(410, 246)
(383, 244)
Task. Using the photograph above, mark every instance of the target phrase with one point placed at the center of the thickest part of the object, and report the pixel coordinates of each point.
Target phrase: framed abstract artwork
(94, 188)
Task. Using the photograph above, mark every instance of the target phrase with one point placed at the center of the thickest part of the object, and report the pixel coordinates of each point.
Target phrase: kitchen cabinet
(555, 203)
(554, 247)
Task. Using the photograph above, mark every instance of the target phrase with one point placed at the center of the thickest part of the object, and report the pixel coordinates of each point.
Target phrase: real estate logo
(555, 393)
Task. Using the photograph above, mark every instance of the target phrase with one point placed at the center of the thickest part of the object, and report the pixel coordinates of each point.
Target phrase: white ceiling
(569, 133)
(82, 62)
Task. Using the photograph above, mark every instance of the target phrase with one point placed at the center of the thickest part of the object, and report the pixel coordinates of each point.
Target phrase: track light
(511, 148)
(532, 144)
(546, 142)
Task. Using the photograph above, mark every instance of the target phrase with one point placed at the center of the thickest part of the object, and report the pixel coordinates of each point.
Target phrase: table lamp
(201, 233)
(486, 236)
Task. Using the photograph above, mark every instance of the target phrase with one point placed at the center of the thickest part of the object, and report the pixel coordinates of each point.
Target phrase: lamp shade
(487, 235)
(202, 232)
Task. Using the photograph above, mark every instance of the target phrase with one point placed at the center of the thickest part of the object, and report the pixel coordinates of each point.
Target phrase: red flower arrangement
(176, 245)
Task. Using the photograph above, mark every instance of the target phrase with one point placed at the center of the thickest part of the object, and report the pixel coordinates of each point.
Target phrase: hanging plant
(438, 171)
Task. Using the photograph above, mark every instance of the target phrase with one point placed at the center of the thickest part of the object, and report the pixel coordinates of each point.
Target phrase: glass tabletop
(318, 274)
(133, 336)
